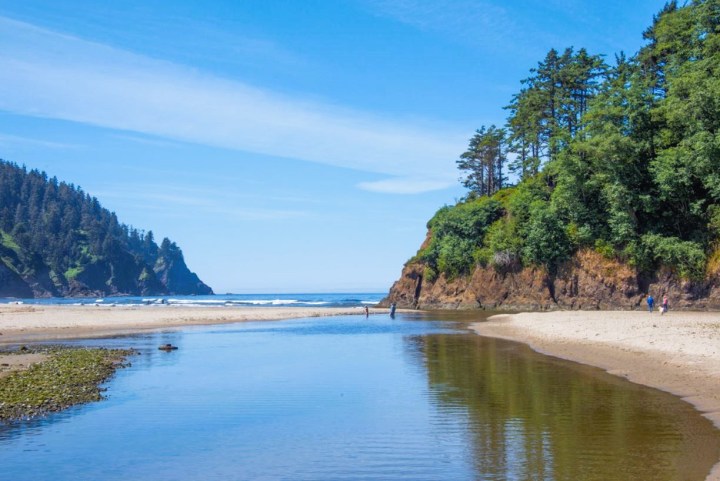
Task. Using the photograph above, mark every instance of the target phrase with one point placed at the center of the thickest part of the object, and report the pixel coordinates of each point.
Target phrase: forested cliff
(56, 240)
(618, 184)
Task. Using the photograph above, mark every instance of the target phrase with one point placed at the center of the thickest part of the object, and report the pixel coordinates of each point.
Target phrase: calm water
(353, 399)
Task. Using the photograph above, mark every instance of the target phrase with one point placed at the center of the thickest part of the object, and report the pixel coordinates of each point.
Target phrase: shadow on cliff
(588, 281)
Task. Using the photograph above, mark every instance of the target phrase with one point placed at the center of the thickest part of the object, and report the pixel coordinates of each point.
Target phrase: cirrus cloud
(51, 75)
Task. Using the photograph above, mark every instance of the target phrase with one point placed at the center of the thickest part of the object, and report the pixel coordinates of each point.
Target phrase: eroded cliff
(588, 281)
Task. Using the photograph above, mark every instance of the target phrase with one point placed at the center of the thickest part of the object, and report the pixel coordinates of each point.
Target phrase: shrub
(688, 258)
(456, 235)
(604, 248)
(455, 256)
(546, 241)
(580, 236)
(429, 274)
(469, 220)
(483, 256)
(714, 220)
(502, 244)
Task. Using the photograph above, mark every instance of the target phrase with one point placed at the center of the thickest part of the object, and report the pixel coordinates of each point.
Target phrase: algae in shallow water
(68, 376)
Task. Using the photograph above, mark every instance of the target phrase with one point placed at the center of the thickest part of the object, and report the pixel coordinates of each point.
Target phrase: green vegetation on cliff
(623, 159)
(56, 240)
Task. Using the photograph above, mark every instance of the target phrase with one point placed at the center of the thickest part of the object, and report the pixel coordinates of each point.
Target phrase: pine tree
(50, 227)
(484, 161)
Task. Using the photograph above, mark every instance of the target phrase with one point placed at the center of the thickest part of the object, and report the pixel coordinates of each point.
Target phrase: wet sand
(678, 352)
(10, 363)
(27, 323)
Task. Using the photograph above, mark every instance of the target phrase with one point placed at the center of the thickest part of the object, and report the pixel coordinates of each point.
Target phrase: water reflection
(534, 417)
(340, 399)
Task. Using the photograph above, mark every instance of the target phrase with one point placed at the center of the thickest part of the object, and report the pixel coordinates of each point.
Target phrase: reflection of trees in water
(535, 417)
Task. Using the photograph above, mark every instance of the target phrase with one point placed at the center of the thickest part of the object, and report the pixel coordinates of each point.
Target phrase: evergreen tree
(484, 161)
(547, 113)
(625, 160)
(50, 228)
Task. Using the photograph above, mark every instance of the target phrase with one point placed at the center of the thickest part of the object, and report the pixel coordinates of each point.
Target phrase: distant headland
(58, 241)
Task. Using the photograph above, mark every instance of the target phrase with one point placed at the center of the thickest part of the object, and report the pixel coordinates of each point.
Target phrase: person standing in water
(650, 303)
(367, 311)
(392, 310)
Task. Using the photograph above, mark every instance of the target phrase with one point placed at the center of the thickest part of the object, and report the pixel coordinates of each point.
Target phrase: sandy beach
(27, 323)
(678, 352)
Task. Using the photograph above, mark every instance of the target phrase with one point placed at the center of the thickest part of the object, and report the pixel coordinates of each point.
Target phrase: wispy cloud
(522, 28)
(47, 74)
(146, 140)
(403, 185)
(177, 201)
(6, 139)
(455, 14)
(478, 22)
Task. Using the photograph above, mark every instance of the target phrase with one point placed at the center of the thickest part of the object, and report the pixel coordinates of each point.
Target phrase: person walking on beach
(664, 304)
(651, 303)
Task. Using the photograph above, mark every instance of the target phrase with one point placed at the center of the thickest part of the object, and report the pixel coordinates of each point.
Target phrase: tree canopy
(621, 158)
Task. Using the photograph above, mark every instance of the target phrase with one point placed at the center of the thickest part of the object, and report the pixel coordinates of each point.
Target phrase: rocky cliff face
(12, 285)
(174, 274)
(588, 281)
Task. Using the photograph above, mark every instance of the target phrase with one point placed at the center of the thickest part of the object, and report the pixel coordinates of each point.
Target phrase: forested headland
(56, 240)
(616, 172)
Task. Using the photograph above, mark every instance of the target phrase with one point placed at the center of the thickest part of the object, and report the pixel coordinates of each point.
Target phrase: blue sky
(285, 145)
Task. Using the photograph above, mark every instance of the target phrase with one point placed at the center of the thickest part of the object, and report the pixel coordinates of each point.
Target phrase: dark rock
(11, 284)
(174, 274)
(588, 282)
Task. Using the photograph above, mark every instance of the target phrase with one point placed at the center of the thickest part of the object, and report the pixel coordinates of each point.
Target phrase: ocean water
(414, 398)
(257, 300)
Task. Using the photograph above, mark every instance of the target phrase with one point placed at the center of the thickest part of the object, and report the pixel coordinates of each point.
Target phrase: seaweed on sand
(65, 377)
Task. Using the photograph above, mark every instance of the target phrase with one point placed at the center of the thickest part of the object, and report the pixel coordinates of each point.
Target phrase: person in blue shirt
(650, 303)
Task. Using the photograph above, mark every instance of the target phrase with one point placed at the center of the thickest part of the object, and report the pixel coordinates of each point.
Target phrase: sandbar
(31, 322)
(678, 352)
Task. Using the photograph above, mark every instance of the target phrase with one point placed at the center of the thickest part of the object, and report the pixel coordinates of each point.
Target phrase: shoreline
(21, 324)
(33, 323)
(678, 352)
